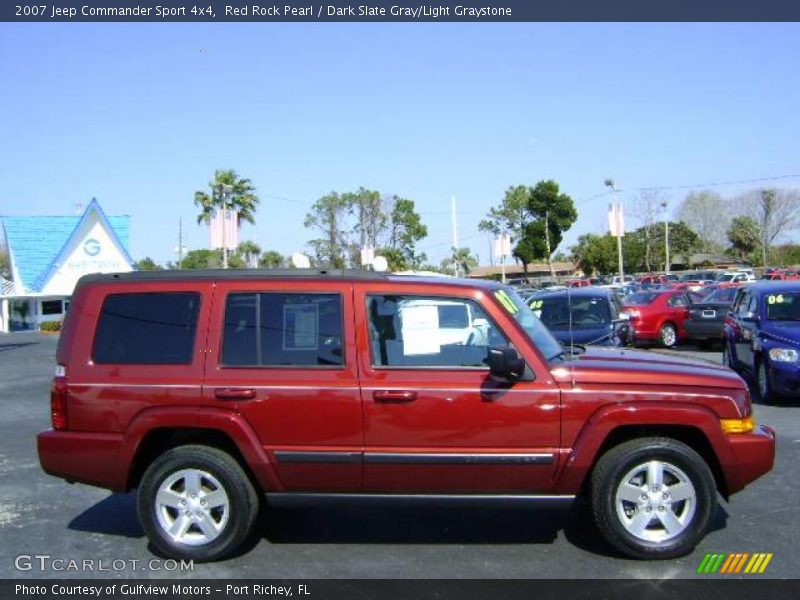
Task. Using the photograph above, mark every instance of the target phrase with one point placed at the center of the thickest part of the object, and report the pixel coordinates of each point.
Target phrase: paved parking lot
(41, 515)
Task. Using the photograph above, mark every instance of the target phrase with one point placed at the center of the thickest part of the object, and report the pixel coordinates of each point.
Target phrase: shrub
(50, 326)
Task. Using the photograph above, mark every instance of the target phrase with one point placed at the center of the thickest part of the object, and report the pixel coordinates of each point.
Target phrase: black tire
(613, 468)
(668, 335)
(236, 519)
(727, 357)
(765, 393)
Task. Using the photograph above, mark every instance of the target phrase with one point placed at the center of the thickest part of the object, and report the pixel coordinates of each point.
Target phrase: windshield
(721, 295)
(537, 332)
(640, 298)
(725, 277)
(783, 307)
(586, 312)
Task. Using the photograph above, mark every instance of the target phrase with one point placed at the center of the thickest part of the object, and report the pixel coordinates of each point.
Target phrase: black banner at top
(48, 11)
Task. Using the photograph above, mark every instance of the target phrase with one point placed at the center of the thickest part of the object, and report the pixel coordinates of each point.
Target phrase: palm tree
(242, 197)
(249, 250)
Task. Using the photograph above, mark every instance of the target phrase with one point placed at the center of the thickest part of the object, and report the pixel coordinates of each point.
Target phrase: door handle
(234, 393)
(394, 396)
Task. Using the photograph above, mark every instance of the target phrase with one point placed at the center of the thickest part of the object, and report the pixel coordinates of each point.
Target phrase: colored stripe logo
(737, 562)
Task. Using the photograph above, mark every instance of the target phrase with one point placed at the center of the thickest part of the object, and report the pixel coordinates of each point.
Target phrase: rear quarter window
(147, 329)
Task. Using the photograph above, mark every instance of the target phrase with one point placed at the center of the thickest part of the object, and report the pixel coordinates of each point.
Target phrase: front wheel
(196, 502)
(652, 498)
(765, 392)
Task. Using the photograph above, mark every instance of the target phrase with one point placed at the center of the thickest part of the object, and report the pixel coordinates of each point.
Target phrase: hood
(781, 331)
(621, 366)
(585, 335)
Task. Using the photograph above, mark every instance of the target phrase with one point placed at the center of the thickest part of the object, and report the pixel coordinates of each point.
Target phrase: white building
(49, 255)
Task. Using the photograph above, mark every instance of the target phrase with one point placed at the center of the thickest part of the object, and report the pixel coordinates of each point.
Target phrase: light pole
(618, 228)
(666, 238)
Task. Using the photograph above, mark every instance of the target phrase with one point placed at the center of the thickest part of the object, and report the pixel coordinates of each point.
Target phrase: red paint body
(566, 412)
(648, 319)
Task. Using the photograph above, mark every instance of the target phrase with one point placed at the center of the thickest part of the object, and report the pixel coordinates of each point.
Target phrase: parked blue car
(761, 337)
(597, 317)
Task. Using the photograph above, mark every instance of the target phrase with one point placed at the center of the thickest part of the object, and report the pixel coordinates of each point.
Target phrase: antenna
(571, 336)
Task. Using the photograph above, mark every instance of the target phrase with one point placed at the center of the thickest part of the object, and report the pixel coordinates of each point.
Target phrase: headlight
(783, 355)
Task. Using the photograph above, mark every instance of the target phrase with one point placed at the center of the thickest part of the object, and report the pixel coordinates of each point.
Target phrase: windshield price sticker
(506, 301)
(777, 299)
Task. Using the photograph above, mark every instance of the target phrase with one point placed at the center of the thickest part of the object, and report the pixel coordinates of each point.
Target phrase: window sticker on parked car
(506, 301)
(300, 326)
(775, 299)
(420, 329)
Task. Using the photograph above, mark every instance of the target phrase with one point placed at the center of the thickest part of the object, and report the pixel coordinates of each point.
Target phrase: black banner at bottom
(418, 589)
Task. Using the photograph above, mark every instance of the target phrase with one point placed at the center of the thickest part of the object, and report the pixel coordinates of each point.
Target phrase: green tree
(744, 235)
(249, 251)
(552, 213)
(461, 261)
(242, 196)
(511, 216)
(405, 230)
(271, 259)
(147, 264)
(394, 258)
(595, 254)
(328, 216)
(371, 218)
(209, 259)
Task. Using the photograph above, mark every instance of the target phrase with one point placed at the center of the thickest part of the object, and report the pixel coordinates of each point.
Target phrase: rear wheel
(196, 502)
(652, 498)
(668, 335)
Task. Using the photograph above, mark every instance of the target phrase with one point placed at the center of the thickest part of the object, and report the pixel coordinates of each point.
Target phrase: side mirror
(506, 363)
(749, 316)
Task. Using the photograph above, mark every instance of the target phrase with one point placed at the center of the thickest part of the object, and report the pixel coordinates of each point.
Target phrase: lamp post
(666, 238)
(618, 228)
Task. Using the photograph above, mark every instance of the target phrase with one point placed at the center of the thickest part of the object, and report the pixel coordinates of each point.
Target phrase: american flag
(231, 229)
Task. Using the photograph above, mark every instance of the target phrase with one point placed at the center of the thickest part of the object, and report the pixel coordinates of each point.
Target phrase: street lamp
(666, 238)
(618, 228)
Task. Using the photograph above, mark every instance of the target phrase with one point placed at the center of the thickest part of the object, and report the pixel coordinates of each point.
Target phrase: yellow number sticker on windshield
(506, 301)
(536, 304)
(775, 299)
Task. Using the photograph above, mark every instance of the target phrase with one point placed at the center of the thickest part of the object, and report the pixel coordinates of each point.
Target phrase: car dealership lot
(43, 516)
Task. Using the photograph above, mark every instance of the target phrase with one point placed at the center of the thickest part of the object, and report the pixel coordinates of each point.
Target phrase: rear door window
(147, 329)
(276, 329)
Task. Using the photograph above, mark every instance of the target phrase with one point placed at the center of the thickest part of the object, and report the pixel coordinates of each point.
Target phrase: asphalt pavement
(41, 516)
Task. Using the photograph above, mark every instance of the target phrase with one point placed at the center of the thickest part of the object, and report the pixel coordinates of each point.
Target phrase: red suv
(214, 392)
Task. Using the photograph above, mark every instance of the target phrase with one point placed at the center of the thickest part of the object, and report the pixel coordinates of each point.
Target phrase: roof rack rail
(233, 274)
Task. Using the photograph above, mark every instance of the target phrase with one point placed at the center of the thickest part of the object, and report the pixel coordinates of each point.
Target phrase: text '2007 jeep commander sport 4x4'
(210, 390)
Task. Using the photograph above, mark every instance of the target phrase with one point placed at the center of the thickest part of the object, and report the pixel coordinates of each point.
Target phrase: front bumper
(784, 378)
(755, 455)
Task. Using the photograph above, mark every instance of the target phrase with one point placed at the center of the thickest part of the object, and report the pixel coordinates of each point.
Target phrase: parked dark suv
(583, 316)
(215, 392)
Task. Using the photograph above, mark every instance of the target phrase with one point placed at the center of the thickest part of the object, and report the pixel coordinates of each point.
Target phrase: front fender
(650, 414)
(193, 417)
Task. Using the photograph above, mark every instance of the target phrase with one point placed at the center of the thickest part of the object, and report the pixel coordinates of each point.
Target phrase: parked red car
(214, 392)
(658, 315)
(580, 283)
(783, 275)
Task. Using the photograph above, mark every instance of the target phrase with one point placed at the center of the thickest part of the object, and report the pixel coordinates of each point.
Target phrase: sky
(140, 115)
